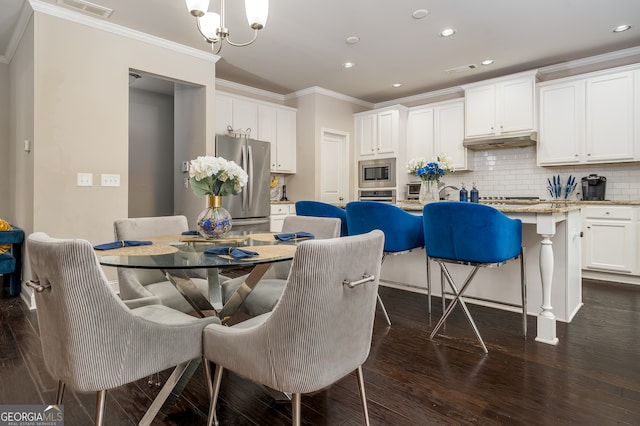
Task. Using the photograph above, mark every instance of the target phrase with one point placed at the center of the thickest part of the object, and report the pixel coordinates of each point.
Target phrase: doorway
(334, 167)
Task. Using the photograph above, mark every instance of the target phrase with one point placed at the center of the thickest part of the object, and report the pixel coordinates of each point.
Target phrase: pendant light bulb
(257, 12)
(197, 7)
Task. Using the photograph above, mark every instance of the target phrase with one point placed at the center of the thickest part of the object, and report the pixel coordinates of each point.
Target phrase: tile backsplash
(513, 172)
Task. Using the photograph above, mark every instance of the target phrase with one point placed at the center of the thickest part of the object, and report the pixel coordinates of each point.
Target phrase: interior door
(334, 168)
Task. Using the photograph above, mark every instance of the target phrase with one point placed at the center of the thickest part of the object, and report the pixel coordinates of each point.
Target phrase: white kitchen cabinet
(590, 119)
(611, 239)
(269, 122)
(437, 128)
(278, 126)
(381, 133)
(240, 114)
(449, 133)
(500, 106)
(562, 126)
(278, 213)
(611, 118)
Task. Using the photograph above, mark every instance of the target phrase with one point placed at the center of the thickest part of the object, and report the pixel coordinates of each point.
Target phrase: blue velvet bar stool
(320, 209)
(11, 240)
(402, 231)
(476, 235)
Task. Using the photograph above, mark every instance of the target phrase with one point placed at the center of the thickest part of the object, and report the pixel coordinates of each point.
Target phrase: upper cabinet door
(420, 134)
(449, 133)
(388, 131)
(561, 138)
(610, 118)
(516, 105)
(286, 149)
(224, 114)
(367, 134)
(268, 131)
(480, 114)
(245, 116)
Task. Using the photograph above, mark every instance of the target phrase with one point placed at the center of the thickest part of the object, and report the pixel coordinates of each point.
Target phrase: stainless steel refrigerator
(250, 208)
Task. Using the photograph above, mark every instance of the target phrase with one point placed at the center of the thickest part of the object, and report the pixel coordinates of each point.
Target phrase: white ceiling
(303, 44)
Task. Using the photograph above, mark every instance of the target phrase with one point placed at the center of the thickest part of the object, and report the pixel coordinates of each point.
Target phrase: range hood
(511, 140)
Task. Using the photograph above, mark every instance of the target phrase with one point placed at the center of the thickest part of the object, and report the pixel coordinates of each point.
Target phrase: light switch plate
(109, 179)
(85, 179)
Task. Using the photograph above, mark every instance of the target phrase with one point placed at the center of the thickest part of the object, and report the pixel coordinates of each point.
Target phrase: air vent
(462, 68)
(89, 8)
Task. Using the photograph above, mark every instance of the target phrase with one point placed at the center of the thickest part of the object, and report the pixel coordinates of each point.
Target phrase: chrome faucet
(455, 188)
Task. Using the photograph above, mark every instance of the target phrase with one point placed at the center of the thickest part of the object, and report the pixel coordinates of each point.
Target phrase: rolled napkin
(120, 244)
(293, 236)
(234, 252)
(190, 233)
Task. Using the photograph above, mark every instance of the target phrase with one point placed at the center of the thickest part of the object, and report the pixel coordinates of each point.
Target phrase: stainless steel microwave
(379, 173)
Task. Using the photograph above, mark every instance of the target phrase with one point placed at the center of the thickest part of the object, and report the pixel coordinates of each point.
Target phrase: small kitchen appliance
(594, 187)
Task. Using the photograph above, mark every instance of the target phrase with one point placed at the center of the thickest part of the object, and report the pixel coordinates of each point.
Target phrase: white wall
(513, 172)
(82, 120)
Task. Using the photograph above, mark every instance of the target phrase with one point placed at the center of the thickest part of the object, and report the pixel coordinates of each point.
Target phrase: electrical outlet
(85, 179)
(110, 180)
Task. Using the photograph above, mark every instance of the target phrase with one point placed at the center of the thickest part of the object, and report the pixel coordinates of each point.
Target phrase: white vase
(428, 191)
(215, 221)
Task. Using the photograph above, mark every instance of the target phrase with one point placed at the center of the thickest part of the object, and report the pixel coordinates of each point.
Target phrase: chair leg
(215, 391)
(444, 299)
(429, 284)
(60, 392)
(100, 401)
(457, 299)
(523, 284)
(296, 403)
(363, 396)
(384, 310)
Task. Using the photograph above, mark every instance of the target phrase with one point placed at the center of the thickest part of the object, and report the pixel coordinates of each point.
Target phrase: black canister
(464, 195)
(474, 194)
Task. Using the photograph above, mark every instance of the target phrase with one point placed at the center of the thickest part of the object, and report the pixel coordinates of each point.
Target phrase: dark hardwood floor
(592, 377)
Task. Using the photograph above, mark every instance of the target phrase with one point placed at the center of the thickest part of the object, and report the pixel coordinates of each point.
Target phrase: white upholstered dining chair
(268, 291)
(136, 283)
(319, 331)
(91, 340)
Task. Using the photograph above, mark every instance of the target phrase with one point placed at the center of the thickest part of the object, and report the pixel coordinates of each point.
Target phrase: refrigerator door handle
(244, 167)
(250, 173)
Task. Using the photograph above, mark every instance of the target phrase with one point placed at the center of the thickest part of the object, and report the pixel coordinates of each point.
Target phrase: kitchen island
(551, 235)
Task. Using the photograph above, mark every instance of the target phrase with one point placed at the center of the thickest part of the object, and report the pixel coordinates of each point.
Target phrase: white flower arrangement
(216, 176)
(432, 170)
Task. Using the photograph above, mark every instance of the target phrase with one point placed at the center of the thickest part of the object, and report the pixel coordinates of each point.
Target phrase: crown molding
(450, 91)
(320, 91)
(18, 31)
(222, 84)
(591, 60)
(79, 18)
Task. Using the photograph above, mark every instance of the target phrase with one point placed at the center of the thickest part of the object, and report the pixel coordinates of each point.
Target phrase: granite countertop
(506, 208)
(283, 202)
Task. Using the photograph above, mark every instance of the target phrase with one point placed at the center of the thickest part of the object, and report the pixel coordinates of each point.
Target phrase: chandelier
(212, 25)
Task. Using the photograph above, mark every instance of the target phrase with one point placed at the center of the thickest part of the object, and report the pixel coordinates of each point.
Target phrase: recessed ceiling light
(352, 39)
(348, 65)
(396, 85)
(447, 32)
(487, 62)
(621, 28)
(420, 13)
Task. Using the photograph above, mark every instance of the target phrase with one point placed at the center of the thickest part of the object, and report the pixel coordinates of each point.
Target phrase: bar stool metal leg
(457, 299)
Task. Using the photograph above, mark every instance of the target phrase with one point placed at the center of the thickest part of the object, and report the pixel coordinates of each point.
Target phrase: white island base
(552, 240)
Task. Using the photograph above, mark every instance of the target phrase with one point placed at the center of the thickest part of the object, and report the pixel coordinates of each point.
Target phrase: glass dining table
(174, 255)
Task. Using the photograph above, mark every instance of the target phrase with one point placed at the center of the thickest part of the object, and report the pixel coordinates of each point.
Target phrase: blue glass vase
(214, 222)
